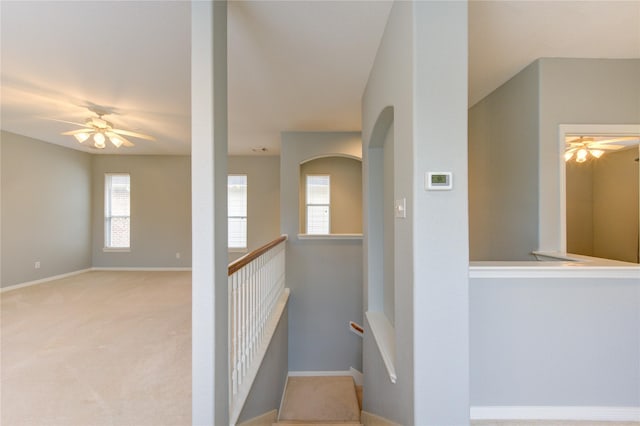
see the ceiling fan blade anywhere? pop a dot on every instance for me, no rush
(133, 134)
(630, 139)
(75, 132)
(579, 140)
(64, 121)
(574, 149)
(606, 147)
(125, 142)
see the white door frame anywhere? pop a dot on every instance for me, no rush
(584, 130)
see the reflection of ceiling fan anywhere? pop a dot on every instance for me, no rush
(585, 147)
(101, 130)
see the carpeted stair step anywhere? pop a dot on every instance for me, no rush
(315, 424)
(328, 400)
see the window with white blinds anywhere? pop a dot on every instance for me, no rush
(117, 211)
(237, 211)
(318, 204)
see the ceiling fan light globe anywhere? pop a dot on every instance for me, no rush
(581, 155)
(98, 138)
(568, 156)
(597, 153)
(116, 141)
(81, 137)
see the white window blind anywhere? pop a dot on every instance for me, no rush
(318, 197)
(237, 211)
(117, 211)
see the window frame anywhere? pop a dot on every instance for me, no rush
(238, 249)
(307, 204)
(108, 216)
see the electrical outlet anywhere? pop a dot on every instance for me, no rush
(178, 255)
(37, 265)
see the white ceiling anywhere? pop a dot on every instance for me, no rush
(297, 65)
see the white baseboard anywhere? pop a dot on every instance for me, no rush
(620, 414)
(43, 280)
(140, 269)
(357, 376)
(81, 271)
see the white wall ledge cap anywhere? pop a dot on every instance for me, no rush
(385, 337)
(535, 269)
(329, 236)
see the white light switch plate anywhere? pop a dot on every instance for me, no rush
(401, 208)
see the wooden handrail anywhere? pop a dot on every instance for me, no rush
(247, 258)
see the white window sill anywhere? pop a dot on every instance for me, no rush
(385, 337)
(238, 250)
(116, 249)
(329, 236)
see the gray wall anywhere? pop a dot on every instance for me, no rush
(555, 342)
(325, 276)
(579, 191)
(514, 167)
(263, 198)
(440, 228)
(578, 91)
(46, 204)
(602, 206)
(346, 192)
(389, 85)
(267, 389)
(503, 170)
(160, 210)
(421, 71)
(615, 209)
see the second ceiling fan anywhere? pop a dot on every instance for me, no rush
(584, 147)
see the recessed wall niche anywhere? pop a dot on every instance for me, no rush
(331, 191)
(381, 220)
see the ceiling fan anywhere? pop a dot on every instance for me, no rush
(585, 147)
(101, 130)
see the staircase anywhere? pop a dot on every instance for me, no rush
(325, 400)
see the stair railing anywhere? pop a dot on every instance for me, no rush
(257, 296)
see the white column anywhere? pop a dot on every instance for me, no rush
(208, 171)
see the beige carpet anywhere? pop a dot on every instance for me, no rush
(100, 348)
(320, 399)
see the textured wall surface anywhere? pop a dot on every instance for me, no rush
(46, 204)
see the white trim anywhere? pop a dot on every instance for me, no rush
(341, 155)
(270, 329)
(284, 390)
(141, 269)
(620, 414)
(237, 249)
(82, 271)
(43, 280)
(587, 130)
(550, 270)
(329, 236)
(358, 377)
(322, 373)
(116, 249)
(385, 338)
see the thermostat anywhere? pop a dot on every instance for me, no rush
(438, 181)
